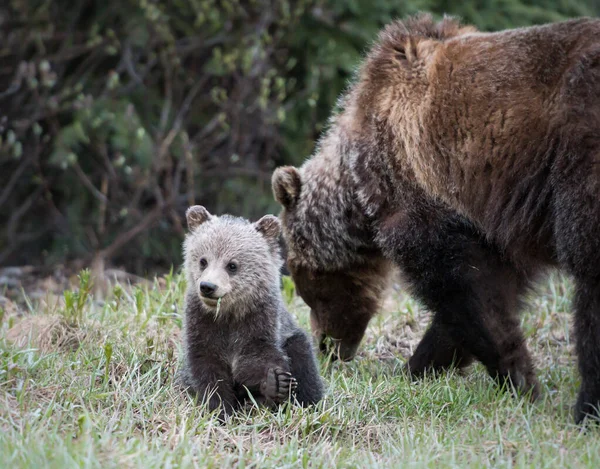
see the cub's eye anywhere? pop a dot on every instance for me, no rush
(203, 263)
(232, 267)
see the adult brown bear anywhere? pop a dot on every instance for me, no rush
(472, 161)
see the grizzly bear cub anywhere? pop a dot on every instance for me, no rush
(238, 336)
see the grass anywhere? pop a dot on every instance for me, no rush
(90, 383)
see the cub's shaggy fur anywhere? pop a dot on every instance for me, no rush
(472, 161)
(238, 336)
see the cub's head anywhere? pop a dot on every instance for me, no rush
(231, 263)
(335, 271)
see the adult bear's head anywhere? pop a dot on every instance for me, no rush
(331, 257)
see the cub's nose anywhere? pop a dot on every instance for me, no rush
(207, 288)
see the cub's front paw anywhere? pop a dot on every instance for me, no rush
(279, 385)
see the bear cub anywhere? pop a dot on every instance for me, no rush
(238, 337)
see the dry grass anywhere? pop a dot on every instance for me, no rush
(95, 388)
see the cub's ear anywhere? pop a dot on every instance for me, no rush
(286, 185)
(268, 226)
(196, 215)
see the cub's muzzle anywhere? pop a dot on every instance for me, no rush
(208, 289)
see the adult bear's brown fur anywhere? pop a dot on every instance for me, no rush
(471, 160)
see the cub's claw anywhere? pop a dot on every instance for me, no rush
(280, 385)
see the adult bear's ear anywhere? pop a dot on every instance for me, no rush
(286, 185)
(196, 215)
(269, 226)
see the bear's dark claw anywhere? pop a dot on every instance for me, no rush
(280, 385)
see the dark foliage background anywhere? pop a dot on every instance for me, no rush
(117, 115)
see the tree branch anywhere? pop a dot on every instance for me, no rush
(87, 183)
(126, 237)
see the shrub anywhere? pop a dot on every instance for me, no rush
(117, 115)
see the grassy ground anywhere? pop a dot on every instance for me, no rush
(89, 383)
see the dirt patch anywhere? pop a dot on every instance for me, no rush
(8, 308)
(47, 333)
(43, 287)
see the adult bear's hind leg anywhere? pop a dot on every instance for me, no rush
(578, 245)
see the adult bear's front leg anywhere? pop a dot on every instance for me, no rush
(472, 291)
(437, 351)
